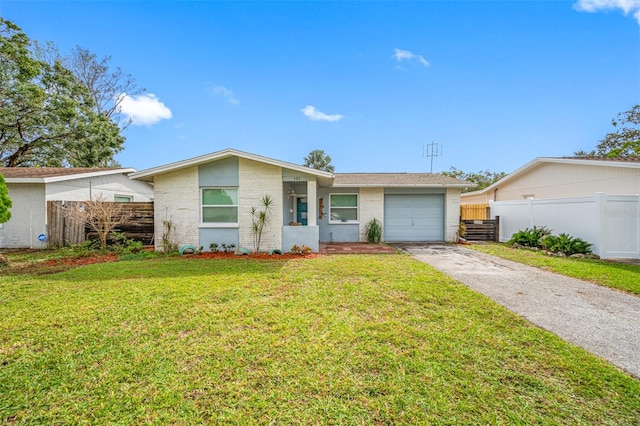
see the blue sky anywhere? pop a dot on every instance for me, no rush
(495, 83)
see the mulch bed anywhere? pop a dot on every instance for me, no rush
(80, 261)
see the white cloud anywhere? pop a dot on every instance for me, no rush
(226, 93)
(627, 6)
(402, 55)
(313, 114)
(143, 109)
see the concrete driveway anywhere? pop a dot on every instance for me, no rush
(605, 322)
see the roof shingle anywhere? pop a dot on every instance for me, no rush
(396, 179)
(47, 172)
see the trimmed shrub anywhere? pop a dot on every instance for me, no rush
(530, 237)
(565, 244)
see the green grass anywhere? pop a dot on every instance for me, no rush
(621, 276)
(359, 339)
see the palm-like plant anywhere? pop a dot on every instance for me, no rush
(317, 159)
(259, 219)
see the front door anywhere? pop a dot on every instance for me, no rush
(301, 211)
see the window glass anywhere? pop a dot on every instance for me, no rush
(122, 199)
(344, 200)
(343, 208)
(219, 197)
(344, 215)
(220, 214)
(219, 205)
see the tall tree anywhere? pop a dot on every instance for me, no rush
(624, 141)
(318, 160)
(5, 201)
(47, 117)
(482, 179)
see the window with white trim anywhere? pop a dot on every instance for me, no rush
(219, 205)
(122, 198)
(343, 208)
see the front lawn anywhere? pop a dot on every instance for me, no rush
(358, 339)
(621, 276)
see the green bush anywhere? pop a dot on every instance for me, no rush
(373, 231)
(84, 249)
(565, 244)
(530, 237)
(120, 244)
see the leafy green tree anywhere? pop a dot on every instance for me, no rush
(482, 179)
(48, 117)
(5, 201)
(624, 141)
(317, 159)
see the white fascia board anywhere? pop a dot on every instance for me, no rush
(88, 175)
(24, 180)
(196, 161)
(587, 162)
(126, 171)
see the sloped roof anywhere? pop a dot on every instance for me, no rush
(398, 179)
(629, 162)
(148, 174)
(629, 159)
(54, 174)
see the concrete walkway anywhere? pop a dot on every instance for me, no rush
(603, 321)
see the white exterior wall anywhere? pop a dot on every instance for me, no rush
(106, 186)
(481, 198)
(28, 217)
(451, 213)
(371, 206)
(257, 180)
(555, 180)
(177, 199)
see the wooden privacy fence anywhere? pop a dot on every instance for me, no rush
(474, 211)
(482, 230)
(64, 228)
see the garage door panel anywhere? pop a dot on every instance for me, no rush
(414, 218)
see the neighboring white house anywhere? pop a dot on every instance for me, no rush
(595, 199)
(208, 199)
(545, 178)
(31, 188)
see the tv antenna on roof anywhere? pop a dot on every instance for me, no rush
(433, 149)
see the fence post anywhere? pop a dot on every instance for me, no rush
(600, 199)
(496, 232)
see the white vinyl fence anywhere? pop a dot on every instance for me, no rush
(611, 223)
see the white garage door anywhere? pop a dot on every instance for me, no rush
(414, 217)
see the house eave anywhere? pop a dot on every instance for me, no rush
(542, 160)
(24, 180)
(63, 178)
(148, 174)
